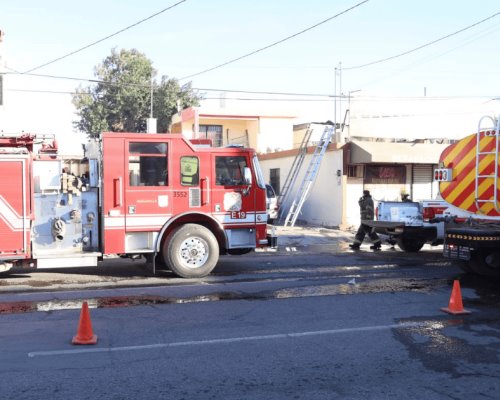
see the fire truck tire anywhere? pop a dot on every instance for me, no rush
(191, 251)
(409, 245)
(485, 263)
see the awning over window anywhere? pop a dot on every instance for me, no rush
(362, 152)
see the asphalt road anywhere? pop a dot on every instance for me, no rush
(312, 321)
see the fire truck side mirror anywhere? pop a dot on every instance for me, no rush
(247, 176)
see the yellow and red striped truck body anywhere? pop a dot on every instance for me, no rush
(469, 179)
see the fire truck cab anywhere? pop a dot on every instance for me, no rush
(151, 195)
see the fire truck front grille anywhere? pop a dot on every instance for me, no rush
(194, 197)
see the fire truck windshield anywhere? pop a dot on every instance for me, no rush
(229, 170)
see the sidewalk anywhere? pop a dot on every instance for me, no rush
(309, 235)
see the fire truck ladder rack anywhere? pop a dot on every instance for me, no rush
(284, 197)
(310, 176)
(493, 132)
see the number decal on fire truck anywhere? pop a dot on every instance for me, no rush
(238, 214)
(180, 194)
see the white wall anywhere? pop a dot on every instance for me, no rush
(324, 205)
(354, 190)
(44, 110)
(418, 118)
(275, 134)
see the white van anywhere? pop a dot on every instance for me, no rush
(272, 206)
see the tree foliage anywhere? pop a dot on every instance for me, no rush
(120, 101)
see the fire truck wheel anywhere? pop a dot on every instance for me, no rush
(408, 245)
(191, 251)
(486, 263)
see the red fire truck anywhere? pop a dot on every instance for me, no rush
(152, 195)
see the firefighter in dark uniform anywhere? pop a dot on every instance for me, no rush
(367, 210)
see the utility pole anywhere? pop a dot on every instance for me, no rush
(339, 97)
(349, 95)
(338, 72)
(151, 122)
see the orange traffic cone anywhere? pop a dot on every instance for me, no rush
(84, 334)
(455, 306)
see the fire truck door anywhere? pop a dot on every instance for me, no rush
(14, 206)
(148, 205)
(193, 184)
(234, 206)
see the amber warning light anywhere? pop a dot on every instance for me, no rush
(443, 175)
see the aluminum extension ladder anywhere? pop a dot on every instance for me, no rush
(493, 131)
(310, 176)
(284, 196)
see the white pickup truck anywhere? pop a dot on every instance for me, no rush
(411, 224)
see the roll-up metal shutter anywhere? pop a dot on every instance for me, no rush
(422, 182)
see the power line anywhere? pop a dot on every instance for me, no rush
(105, 38)
(325, 95)
(275, 43)
(257, 92)
(424, 45)
(40, 91)
(267, 99)
(424, 60)
(148, 86)
(326, 98)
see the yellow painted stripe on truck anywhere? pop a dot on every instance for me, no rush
(461, 157)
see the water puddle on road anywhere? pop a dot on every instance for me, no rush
(350, 287)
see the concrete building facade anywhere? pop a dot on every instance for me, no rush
(389, 147)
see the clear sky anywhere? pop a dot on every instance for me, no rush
(199, 34)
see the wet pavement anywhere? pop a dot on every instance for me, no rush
(311, 320)
(310, 261)
(124, 272)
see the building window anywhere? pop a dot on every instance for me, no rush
(212, 132)
(355, 171)
(274, 179)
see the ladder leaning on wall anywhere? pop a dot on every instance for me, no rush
(286, 190)
(310, 176)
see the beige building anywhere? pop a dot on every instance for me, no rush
(265, 133)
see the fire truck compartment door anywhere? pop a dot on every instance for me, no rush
(14, 203)
(148, 203)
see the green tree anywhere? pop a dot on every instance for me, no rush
(120, 101)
